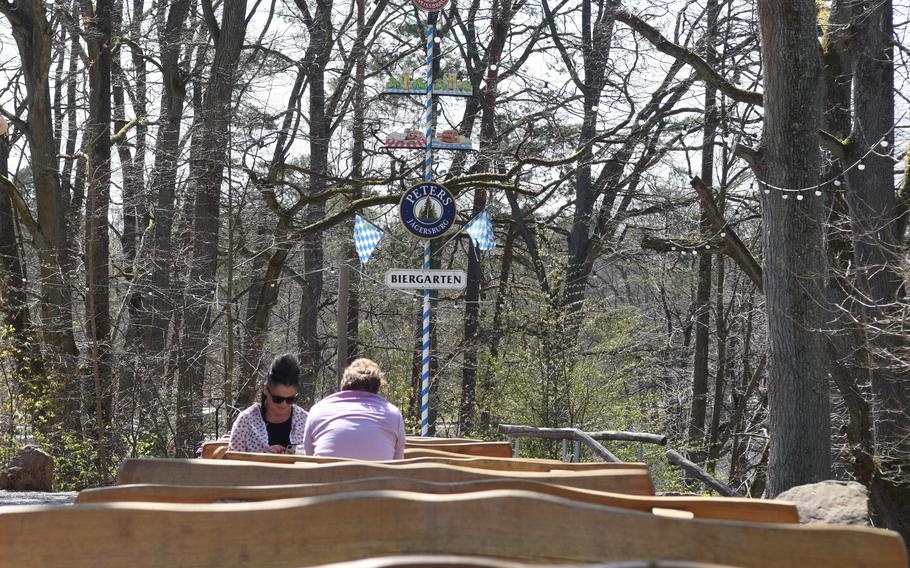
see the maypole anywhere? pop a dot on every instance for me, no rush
(427, 177)
(428, 209)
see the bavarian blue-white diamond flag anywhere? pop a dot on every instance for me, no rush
(480, 230)
(366, 238)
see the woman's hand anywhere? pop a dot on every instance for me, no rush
(277, 449)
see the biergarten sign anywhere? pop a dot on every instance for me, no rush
(406, 279)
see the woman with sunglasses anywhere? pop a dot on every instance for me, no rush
(356, 422)
(275, 424)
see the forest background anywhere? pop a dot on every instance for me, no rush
(700, 210)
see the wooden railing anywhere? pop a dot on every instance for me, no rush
(589, 439)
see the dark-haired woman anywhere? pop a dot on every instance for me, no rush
(275, 424)
(356, 422)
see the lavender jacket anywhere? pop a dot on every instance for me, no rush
(355, 424)
(250, 435)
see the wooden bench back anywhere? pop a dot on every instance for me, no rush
(633, 481)
(214, 450)
(441, 441)
(451, 561)
(753, 510)
(486, 449)
(500, 464)
(516, 525)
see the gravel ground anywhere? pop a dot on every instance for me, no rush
(36, 498)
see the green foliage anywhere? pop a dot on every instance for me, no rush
(75, 460)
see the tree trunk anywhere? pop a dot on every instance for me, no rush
(97, 247)
(792, 244)
(703, 291)
(206, 173)
(877, 256)
(14, 310)
(358, 137)
(315, 60)
(34, 38)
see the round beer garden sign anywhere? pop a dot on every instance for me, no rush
(430, 5)
(427, 210)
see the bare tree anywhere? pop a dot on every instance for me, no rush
(210, 143)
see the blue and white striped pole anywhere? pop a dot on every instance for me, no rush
(427, 176)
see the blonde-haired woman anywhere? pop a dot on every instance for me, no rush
(356, 422)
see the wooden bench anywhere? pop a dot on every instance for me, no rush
(214, 450)
(456, 446)
(451, 561)
(633, 480)
(501, 464)
(752, 510)
(426, 440)
(515, 525)
(485, 449)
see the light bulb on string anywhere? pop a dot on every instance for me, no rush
(594, 108)
(837, 183)
(493, 67)
(799, 196)
(767, 192)
(818, 193)
(861, 166)
(884, 144)
(723, 235)
(436, 39)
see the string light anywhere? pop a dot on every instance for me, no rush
(858, 165)
(493, 67)
(594, 108)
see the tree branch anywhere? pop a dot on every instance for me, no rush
(208, 13)
(121, 134)
(737, 249)
(25, 214)
(663, 244)
(707, 73)
(833, 144)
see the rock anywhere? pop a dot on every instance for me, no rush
(31, 470)
(836, 502)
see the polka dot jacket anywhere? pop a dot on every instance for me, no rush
(249, 433)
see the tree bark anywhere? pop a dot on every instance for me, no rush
(315, 59)
(34, 37)
(502, 16)
(874, 211)
(97, 246)
(703, 291)
(792, 243)
(206, 172)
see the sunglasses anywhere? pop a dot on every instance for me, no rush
(279, 399)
